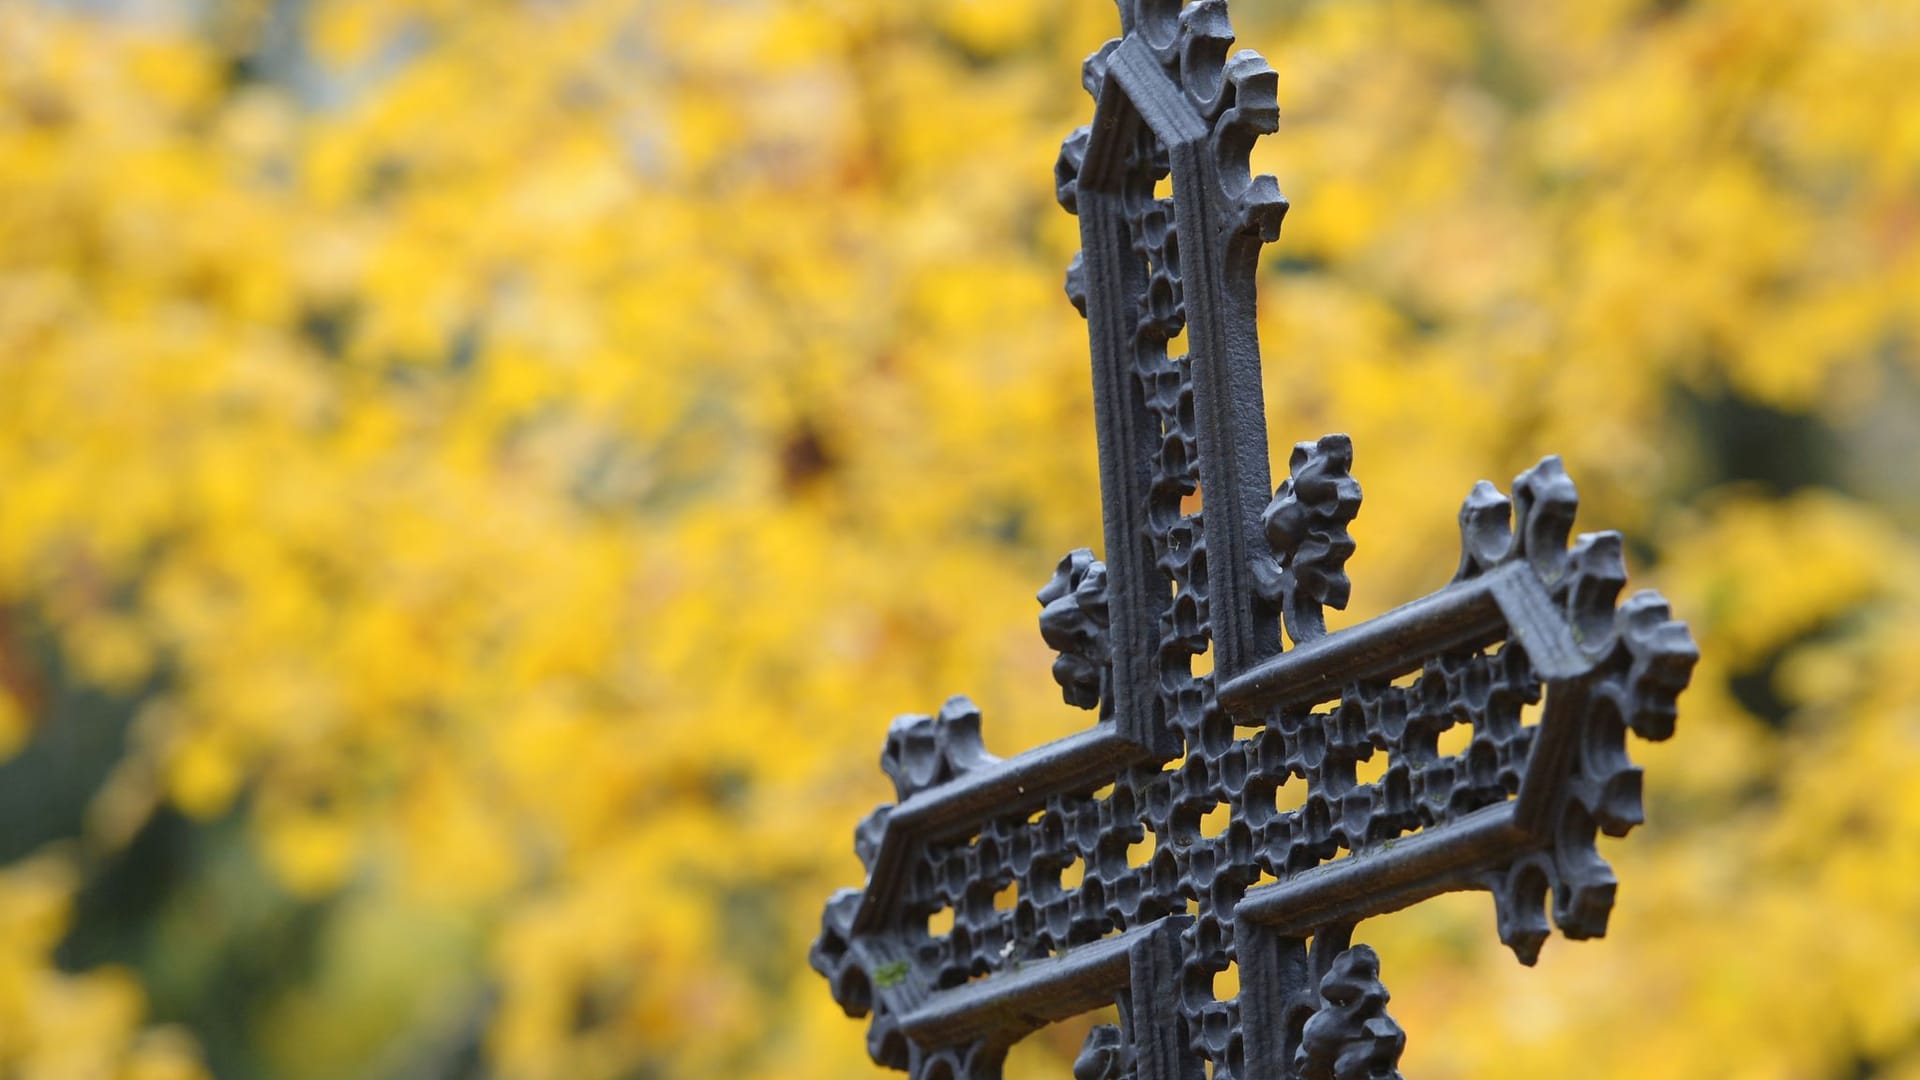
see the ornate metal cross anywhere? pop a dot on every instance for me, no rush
(1059, 904)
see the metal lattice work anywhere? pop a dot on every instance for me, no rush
(1252, 815)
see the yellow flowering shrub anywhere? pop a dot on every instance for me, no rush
(476, 479)
(59, 1026)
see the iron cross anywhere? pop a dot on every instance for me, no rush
(1088, 872)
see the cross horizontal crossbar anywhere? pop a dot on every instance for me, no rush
(1468, 614)
(1006, 1005)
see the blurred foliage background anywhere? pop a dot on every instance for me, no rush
(476, 479)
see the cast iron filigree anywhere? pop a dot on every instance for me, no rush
(1252, 815)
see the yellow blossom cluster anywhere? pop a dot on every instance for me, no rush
(58, 1026)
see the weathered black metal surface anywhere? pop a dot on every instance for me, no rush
(1083, 873)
